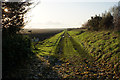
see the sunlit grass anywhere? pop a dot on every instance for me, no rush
(82, 54)
(102, 42)
(48, 46)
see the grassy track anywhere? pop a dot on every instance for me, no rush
(48, 46)
(77, 54)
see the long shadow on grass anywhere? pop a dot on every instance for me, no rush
(41, 70)
(54, 60)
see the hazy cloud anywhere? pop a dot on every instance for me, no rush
(53, 23)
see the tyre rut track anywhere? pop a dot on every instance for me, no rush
(94, 69)
(40, 67)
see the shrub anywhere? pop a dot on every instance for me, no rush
(16, 49)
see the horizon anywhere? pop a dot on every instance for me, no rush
(49, 15)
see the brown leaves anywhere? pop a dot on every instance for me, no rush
(83, 70)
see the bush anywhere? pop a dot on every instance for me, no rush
(16, 49)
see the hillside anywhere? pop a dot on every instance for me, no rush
(103, 45)
(81, 54)
(73, 54)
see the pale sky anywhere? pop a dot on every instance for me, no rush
(66, 13)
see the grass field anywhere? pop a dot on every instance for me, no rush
(103, 45)
(82, 54)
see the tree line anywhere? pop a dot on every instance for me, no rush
(106, 21)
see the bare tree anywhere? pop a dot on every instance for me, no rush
(116, 16)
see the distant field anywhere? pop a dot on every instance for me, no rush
(41, 30)
(42, 34)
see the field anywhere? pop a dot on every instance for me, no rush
(78, 54)
(42, 34)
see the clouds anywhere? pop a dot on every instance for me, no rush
(57, 15)
(53, 23)
(47, 23)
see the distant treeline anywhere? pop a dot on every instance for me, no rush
(107, 21)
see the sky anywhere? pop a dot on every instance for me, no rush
(66, 13)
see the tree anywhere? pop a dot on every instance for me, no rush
(13, 15)
(93, 23)
(116, 16)
(16, 48)
(106, 22)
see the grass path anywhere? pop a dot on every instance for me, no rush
(63, 56)
(81, 65)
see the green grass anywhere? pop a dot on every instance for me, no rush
(48, 46)
(102, 45)
(83, 54)
(105, 43)
(68, 48)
